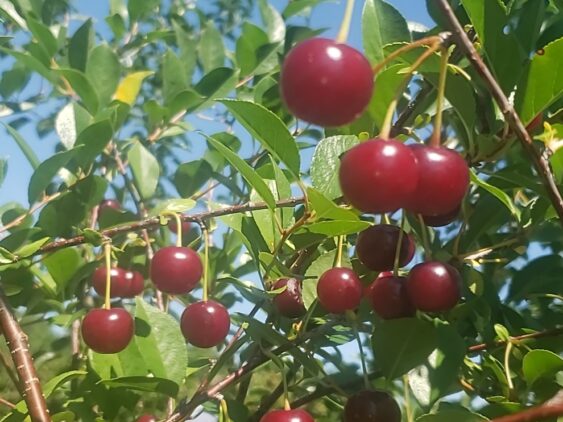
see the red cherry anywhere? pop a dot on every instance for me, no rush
(376, 247)
(136, 283)
(442, 219)
(205, 324)
(293, 415)
(389, 298)
(443, 178)
(107, 330)
(175, 269)
(186, 226)
(109, 203)
(434, 286)
(147, 418)
(339, 290)
(378, 176)
(372, 406)
(289, 302)
(119, 282)
(326, 83)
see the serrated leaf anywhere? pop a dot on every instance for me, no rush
(129, 87)
(145, 168)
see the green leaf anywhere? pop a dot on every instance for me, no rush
(103, 71)
(217, 83)
(30, 248)
(325, 208)
(534, 94)
(387, 83)
(275, 26)
(250, 48)
(539, 364)
(140, 8)
(129, 87)
(145, 384)
(32, 63)
(382, 24)
(397, 354)
(145, 168)
(556, 161)
(211, 50)
(82, 87)
(191, 176)
(80, 45)
(71, 120)
(246, 171)
(178, 205)
(497, 193)
(9, 9)
(43, 36)
(545, 271)
(3, 170)
(460, 415)
(173, 76)
(188, 49)
(268, 129)
(62, 265)
(297, 6)
(161, 343)
(326, 163)
(338, 227)
(24, 147)
(94, 138)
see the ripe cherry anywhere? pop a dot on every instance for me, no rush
(293, 415)
(175, 269)
(443, 178)
(372, 406)
(339, 290)
(378, 176)
(186, 226)
(109, 203)
(147, 418)
(119, 282)
(325, 82)
(289, 302)
(107, 330)
(136, 283)
(442, 219)
(376, 247)
(205, 324)
(434, 286)
(389, 298)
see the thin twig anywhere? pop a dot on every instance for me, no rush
(17, 221)
(550, 409)
(7, 403)
(554, 332)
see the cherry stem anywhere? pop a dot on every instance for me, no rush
(424, 233)
(224, 411)
(406, 389)
(178, 219)
(352, 317)
(435, 139)
(346, 21)
(339, 248)
(431, 41)
(206, 240)
(399, 247)
(507, 353)
(385, 219)
(107, 255)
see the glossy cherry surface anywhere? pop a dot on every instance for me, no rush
(119, 282)
(389, 298)
(186, 226)
(325, 82)
(443, 178)
(110, 203)
(339, 290)
(293, 415)
(434, 286)
(377, 245)
(176, 270)
(136, 283)
(147, 418)
(442, 219)
(205, 324)
(107, 330)
(289, 303)
(372, 406)
(378, 176)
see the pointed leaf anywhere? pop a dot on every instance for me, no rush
(145, 168)
(130, 86)
(103, 70)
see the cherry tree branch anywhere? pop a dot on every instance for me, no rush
(540, 163)
(550, 409)
(29, 384)
(554, 332)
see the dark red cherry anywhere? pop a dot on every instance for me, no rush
(434, 286)
(147, 418)
(389, 298)
(339, 290)
(372, 406)
(325, 82)
(109, 203)
(176, 270)
(378, 176)
(442, 219)
(443, 178)
(186, 226)
(289, 303)
(205, 324)
(136, 283)
(376, 247)
(107, 330)
(293, 415)
(119, 282)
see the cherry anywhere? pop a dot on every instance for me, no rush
(109, 203)
(378, 176)
(119, 282)
(107, 330)
(175, 269)
(325, 82)
(442, 219)
(289, 302)
(389, 298)
(136, 283)
(339, 290)
(205, 324)
(443, 178)
(147, 418)
(186, 226)
(372, 406)
(377, 245)
(293, 415)
(434, 286)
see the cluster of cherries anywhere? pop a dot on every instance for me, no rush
(174, 270)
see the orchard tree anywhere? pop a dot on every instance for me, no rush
(245, 217)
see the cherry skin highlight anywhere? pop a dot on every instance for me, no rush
(442, 219)
(443, 179)
(110, 203)
(326, 83)
(389, 298)
(119, 282)
(176, 270)
(293, 415)
(136, 283)
(147, 418)
(107, 330)
(205, 324)
(377, 245)
(289, 303)
(371, 406)
(378, 176)
(339, 290)
(434, 286)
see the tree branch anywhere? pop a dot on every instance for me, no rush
(554, 332)
(29, 384)
(549, 409)
(540, 163)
